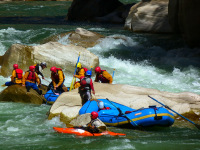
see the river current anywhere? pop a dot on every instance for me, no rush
(159, 61)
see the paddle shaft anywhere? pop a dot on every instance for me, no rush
(122, 112)
(173, 111)
(113, 73)
(74, 72)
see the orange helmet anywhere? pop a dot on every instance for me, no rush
(53, 69)
(15, 66)
(94, 115)
(98, 69)
(31, 68)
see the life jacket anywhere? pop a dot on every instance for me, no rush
(85, 83)
(19, 73)
(36, 68)
(31, 76)
(102, 78)
(56, 76)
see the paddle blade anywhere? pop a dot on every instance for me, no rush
(3, 85)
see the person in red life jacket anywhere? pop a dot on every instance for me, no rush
(102, 107)
(86, 87)
(102, 76)
(39, 68)
(58, 79)
(17, 75)
(30, 78)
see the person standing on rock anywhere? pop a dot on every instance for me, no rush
(30, 78)
(17, 75)
(102, 76)
(86, 87)
(58, 79)
(39, 68)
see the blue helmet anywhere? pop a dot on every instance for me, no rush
(88, 73)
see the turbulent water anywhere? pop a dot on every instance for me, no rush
(160, 62)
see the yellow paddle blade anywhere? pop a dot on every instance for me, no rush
(3, 85)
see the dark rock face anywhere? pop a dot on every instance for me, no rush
(184, 18)
(18, 93)
(88, 10)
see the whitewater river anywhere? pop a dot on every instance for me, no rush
(161, 62)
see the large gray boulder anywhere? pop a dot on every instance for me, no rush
(53, 53)
(68, 104)
(149, 16)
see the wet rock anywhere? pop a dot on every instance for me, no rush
(18, 93)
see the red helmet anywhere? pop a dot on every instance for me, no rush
(94, 115)
(31, 68)
(53, 69)
(97, 69)
(15, 66)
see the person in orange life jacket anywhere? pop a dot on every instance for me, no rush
(78, 83)
(30, 78)
(58, 79)
(102, 76)
(86, 87)
(102, 107)
(80, 71)
(39, 68)
(17, 75)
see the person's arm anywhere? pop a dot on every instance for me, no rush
(53, 80)
(39, 72)
(24, 78)
(61, 79)
(92, 87)
(108, 76)
(37, 79)
(13, 76)
(80, 73)
(97, 78)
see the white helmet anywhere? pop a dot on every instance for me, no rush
(101, 105)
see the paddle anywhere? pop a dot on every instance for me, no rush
(72, 84)
(198, 126)
(113, 73)
(3, 85)
(122, 113)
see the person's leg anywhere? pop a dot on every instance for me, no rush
(9, 83)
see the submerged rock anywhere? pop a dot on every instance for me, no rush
(68, 104)
(18, 93)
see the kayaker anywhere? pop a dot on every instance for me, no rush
(17, 75)
(30, 78)
(80, 71)
(94, 125)
(102, 76)
(58, 79)
(39, 68)
(86, 87)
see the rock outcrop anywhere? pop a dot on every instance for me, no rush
(53, 53)
(18, 93)
(149, 16)
(184, 18)
(68, 104)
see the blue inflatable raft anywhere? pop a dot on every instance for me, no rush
(146, 117)
(51, 97)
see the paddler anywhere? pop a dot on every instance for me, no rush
(30, 78)
(102, 76)
(58, 79)
(17, 75)
(86, 87)
(39, 68)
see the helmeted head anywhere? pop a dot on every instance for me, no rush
(98, 69)
(94, 115)
(79, 65)
(101, 105)
(15, 66)
(88, 73)
(53, 69)
(32, 68)
(43, 64)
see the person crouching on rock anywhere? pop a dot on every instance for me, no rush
(86, 87)
(39, 68)
(17, 75)
(102, 76)
(30, 78)
(58, 79)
